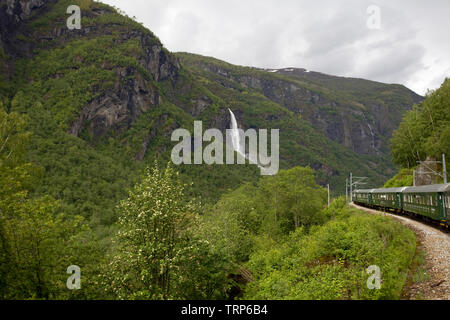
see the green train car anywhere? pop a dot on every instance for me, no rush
(428, 201)
(432, 201)
(363, 196)
(389, 199)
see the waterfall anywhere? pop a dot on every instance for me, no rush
(238, 144)
(373, 136)
(235, 136)
(371, 133)
(253, 156)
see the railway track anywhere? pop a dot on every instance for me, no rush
(436, 245)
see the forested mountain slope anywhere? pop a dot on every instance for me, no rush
(101, 104)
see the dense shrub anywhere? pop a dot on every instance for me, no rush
(331, 261)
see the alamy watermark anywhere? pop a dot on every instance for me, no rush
(374, 280)
(374, 19)
(74, 281)
(74, 21)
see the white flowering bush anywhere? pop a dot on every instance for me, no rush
(157, 254)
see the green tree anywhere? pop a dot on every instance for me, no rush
(424, 131)
(157, 254)
(35, 239)
(293, 199)
(273, 208)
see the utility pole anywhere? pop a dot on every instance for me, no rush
(328, 196)
(444, 168)
(351, 186)
(358, 180)
(346, 190)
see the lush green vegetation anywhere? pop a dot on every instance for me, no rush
(330, 261)
(403, 179)
(38, 240)
(274, 207)
(276, 228)
(424, 133)
(425, 130)
(295, 249)
(140, 229)
(158, 254)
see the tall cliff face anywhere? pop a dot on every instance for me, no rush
(134, 85)
(13, 13)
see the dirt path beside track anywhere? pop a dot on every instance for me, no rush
(436, 245)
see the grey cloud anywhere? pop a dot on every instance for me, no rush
(323, 35)
(396, 63)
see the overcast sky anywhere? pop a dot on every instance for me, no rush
(411, 46)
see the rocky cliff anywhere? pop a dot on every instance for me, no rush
(357, 113)
(132, 94)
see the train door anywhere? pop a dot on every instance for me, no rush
(446, 205)
(399, 201)
(442, 206)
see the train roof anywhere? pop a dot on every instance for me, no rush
(420, 189)
(429, 188)
(364, 191)
(389, 190)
